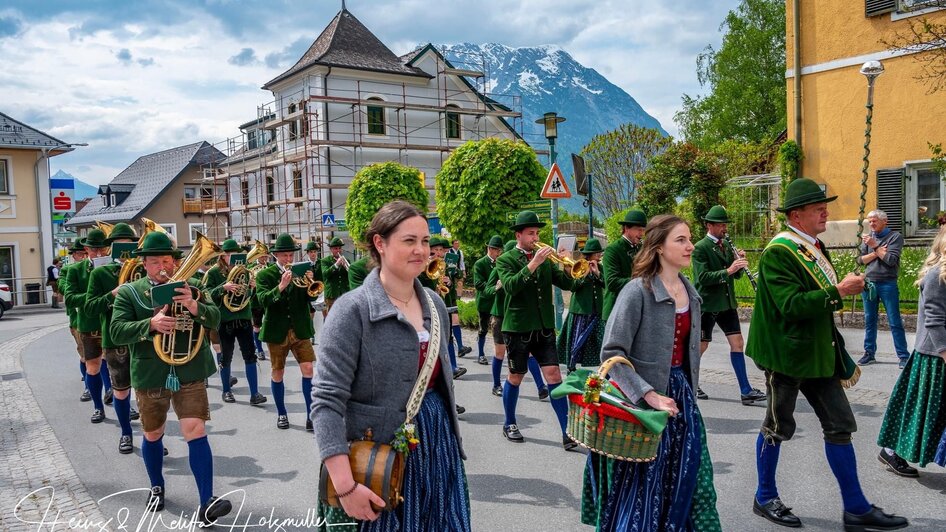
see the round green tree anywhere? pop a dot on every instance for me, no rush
(479, 183)
(377, 184)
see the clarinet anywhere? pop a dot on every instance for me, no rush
(745, 269)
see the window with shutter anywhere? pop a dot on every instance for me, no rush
(873, 8)
(890, 196)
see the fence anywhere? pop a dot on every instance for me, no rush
(27, 290)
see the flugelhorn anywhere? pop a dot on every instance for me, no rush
(131, 269)
(579, 267)
(181, 345)
(241, 275)
(312, 287)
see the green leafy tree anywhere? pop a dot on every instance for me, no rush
(745, 78)
(925, 40)
(377, 184)
(479, 183)
(612, 226)
(615, 159)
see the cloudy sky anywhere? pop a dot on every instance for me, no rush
(134, 77)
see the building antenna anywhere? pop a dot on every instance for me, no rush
(343, 5)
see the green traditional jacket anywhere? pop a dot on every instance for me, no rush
(529, 294)
(499, 296)
(481, 271)
(76, 286)
(284, 310)
(617, 263)
(793, 328)
(710, 278)
(454, 274)
(213, 284)
(427, 282)
(63, 286)
(357, 273)
(334, 277)
(99, 299)
(587, 296)
(131, 326)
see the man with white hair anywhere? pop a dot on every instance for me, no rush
(880, 252)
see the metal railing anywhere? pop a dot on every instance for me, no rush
(28, 290)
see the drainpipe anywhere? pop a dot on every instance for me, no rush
(796, 65)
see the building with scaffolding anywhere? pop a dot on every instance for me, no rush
(348, 102)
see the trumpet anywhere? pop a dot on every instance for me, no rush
(579, 267)
(735, 252)
(241, 275)
(166, 346)
(131, 269)
(312, 287)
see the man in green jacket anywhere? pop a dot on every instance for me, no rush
(334, 272)
(529, 323)
(794, 340)
(235, 326)
(484, 302)
(158, 385)
(88, 325)
(715, 266)
(287, 326)
(618, 261)
(357, 273)
(99, 299)
(77, 254)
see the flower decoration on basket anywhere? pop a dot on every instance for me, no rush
(405, 439)
(593, 388)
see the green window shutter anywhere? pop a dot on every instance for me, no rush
(873, 8)
(890, 196)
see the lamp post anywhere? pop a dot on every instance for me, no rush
(551, 121)
(871, 70)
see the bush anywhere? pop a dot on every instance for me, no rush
(469, 317)
(377, 184)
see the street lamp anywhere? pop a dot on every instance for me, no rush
(871, 70)
(551, 121)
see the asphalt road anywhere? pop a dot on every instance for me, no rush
(533, 486)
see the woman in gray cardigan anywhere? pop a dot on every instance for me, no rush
(655, 324)
(914, 427)
(372, 344)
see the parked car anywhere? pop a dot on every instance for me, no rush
(6, 298)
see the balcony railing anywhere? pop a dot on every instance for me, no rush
(198, 206)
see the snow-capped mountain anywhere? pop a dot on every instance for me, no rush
(548, 79)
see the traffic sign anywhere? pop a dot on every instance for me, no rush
(555, 185)
(544, 216)
(328, 220)
(341, 225)
(537, 205)
(62, 191)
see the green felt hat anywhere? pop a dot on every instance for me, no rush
(311, 246)
(76, 246)
(592, 246)
(335, 243)
(156, 243)
(634, 218)
(95, 239)
(121, 231)
(285, 242)
(526, 219)
(178, 254)
(801, 192)
(231, 246)
(509, 246)
(717, 214)
(495, 241)
(436, 241)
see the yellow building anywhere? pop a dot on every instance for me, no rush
(833, 41)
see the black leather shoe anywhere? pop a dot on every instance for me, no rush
(308, 425)
(875, 519)
(133, 415)
(282, 422)
(460, 410)
(511, 432)
(260, 355)
(464, 351)
(233, 381)
(459, 373)
(498, 391)
(215, 509)
(543, 393)
(156, 499)
(124, 444)
(228, 397)
(98, 416)
(753, 396)
(569, 444)
(166, 451)
(85, 397)
(776, 512)
(700, 394)
(257, 399)
(897, 465)
(109, 397)
(482, 361)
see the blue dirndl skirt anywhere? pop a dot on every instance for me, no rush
(436, 495)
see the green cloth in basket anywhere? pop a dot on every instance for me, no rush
(653, 420)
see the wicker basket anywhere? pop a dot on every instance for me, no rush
(609, 436)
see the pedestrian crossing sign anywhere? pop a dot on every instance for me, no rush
(555, 185)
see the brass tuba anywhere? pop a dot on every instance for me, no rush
(131, 269)
(241, 275)
(107, 229)
(436, 268)
(579, 267)
(252, 258)
(181, 346)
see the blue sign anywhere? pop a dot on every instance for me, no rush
(328, 220)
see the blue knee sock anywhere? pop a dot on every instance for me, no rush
(106, 376)
(123, 413)
(279, 397)
(84, 374)
(259, 345)
(481, 344)
(153, 454)
(536, 372)
(844, 466)
(510, 398)
(307, 395)
(497, 370)
(94, 382)
(202, 465)
(738, 360)
(251, 379)
(766, 461)
(453, 354)
(225, 378)
(560, 406)
(458, 335)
